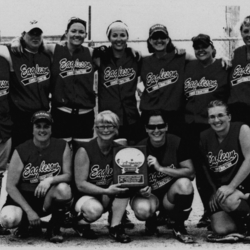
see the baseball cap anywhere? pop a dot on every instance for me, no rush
(202, 39)
(34, 24)
(158, 28)
(41, 115)
(246, 22)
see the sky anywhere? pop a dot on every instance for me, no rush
(183, 18)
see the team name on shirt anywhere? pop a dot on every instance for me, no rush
(118, 76)
(163, 79)
(101, 175)
(39, 173)
(34, 74)
(222, 161)
(76, 67)
(241, 74)
(159, 179)
(203, 86)
(4, 87)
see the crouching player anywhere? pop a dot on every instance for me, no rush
(170, 173)
(226, 150)
(93, 177)
(38, 182)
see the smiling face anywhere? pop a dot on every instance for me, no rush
(106, 130)
(33, 39)
(218, 119)
(76, 34)
(118, 38)
(203, 52)
(41, 131)
(156, 129)
(159, 41)
(245, 33)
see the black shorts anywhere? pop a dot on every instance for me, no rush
(35, 203)
(67, 125)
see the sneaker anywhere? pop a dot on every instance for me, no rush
(118, 233)
(126, 222)
(204, 221)
(4, 231)
(230, 238)
(22, 230)
(53, 232)
(181, 234)
(85, 231)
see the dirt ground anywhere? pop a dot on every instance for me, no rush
(139, 240)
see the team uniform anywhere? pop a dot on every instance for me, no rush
(170, 155)
(5, 119)
(29, 91)
(39, 164)
(201, 86)
(73, 96)
(117, 81)
(224, 159)
(239, 102)
(163, 81)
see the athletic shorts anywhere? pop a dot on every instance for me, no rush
(35, 203)
(70, 125)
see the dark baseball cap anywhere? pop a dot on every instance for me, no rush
(42, 115)
(202, 39)
(158, 28)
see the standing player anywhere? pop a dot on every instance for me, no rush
(226, 150)
(29, 81)
(170, 188)
(5, 124)
(205, 80)
(118, 71)
(239, 101)
(38, 182)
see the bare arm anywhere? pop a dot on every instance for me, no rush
(13, 177)
(186, 168)
(81, 176)
(66, 175)
(244, 170)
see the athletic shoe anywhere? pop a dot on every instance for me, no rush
(230, 238)
(53, 231)
(4, 231)
(204, 221)
(85, 231)
(118, 233)
(181, 234)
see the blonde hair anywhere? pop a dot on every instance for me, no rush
(108, 116)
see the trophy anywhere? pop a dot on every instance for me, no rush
(130, 166)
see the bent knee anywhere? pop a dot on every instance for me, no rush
(11, 216)
(143, 210)
(63, 191)
(184, 186)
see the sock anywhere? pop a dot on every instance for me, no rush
(183, 202)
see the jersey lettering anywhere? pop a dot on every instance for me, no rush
(4, 87)
(241, 74)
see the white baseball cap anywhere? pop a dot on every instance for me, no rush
(34, 24)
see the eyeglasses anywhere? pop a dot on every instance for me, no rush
(108, 127)
(154, 126)
(219, 116)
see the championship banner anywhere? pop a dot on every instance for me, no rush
(130, 166)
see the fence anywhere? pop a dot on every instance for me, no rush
(224, 46)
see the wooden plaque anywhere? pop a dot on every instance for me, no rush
(130, 166)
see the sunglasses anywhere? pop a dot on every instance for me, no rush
(154, 126)
(159, 36)
(201, 46)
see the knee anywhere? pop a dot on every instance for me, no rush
(63, 191)
(230, 203)
(142, 211)
(184, 186)
(10, 219)
(222, 229)
(93, 212)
